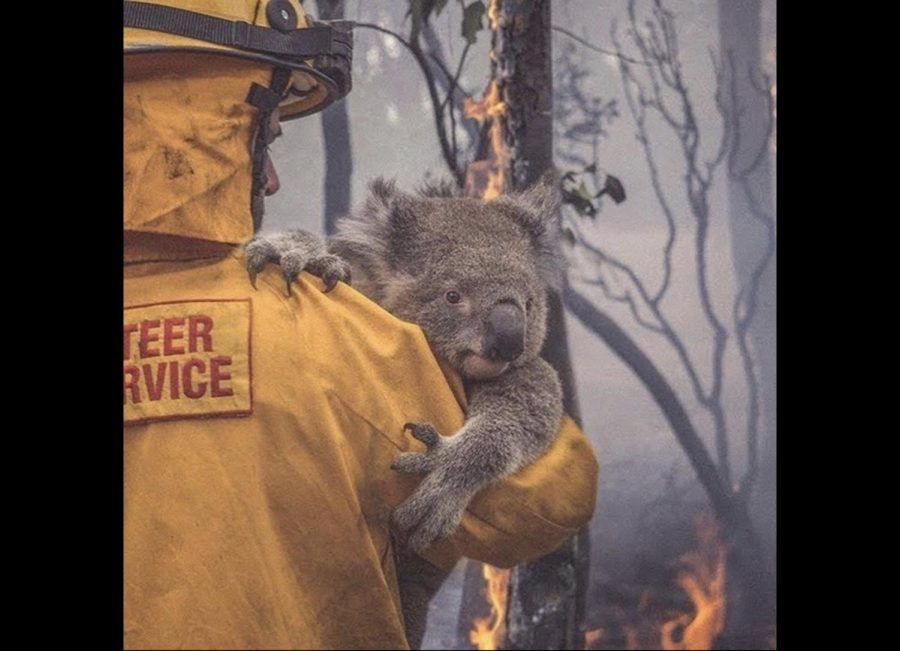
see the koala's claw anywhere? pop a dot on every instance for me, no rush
(330, 280)
(259, 253)
(331, 269)
(253, 270)
(425, 432)
(289, 278)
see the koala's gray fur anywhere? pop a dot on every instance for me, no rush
(415, 255)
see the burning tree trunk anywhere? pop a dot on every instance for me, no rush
(545, 599)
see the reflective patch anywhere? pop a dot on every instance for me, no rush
(187, 359)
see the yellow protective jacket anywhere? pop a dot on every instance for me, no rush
(260, 428)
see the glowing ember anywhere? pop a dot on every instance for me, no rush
(488, 632)
(592, 638)
(703, 579)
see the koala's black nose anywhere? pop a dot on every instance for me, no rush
(505, 337)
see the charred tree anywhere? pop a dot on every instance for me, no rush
(546, 597)
(336, 139)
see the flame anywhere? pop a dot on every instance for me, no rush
(488, 178)
(493, 14)
(703, 579)
(592, 638)
(488, 632)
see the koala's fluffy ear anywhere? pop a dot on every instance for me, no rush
(388, 204)
(370, 233)
(537, 209)
(542, 201)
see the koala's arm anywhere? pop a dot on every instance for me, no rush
(530, 513)
(511, 421)
(295, 251)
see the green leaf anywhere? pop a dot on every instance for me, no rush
(439, 6)
(471, 23)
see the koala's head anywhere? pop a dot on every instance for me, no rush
(473, 274)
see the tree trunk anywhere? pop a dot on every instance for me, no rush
(336, 138)
(546, 597)
(739, 33)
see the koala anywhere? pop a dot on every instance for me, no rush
(474, 276)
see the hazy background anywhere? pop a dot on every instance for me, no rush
(646, 482)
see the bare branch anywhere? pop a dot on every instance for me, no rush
(590, 46)
(664, 328)
(454, 81)
(618, 340)
(660, 47)
(604, 259)
(639, 116)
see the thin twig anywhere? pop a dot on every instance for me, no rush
(660, 46)
(454, 81)
(590, 46)
(655, 181)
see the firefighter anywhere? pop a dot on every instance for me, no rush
(260, 427)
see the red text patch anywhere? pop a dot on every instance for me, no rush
(187, 359)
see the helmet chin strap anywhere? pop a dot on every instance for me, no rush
(266, 100)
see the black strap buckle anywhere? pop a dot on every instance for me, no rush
(240, 34)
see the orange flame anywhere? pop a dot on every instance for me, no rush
(488, 178)
(493, 14)
(489, 632)
(703, 579)
(592, 638)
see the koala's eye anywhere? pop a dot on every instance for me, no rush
(528, 304)
(453, 297)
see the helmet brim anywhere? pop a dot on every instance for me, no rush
(310, 91)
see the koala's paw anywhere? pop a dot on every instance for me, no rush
(420, 462)
(331, 269)
(431, 513)
(295, 251)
